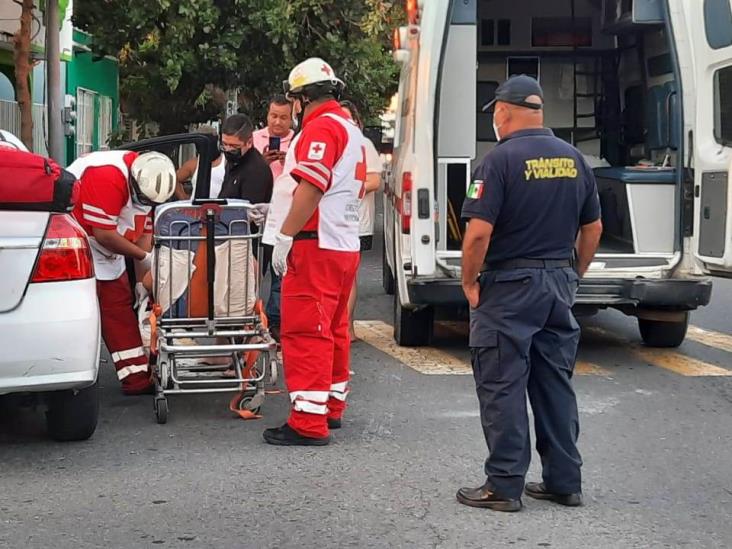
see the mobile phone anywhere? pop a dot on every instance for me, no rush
(274, 143)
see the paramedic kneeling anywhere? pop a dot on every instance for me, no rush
(529, 198)
(317, 249)
(118, 190)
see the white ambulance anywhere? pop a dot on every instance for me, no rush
(642, 87)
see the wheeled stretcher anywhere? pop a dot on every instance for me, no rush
(205, 289)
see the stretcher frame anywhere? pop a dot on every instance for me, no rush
(255, 363)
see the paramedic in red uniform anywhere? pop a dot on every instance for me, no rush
(317, 249)
(118, 190)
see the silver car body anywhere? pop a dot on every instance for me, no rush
(49, 331)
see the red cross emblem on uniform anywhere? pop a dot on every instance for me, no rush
(326, 69)
(316, 151)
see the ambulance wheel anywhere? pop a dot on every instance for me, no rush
(161, 410)
(387, 279)
(72, 415)
(412, 327)
(656, 333)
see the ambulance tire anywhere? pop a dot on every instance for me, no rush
(387, 278)
(656, 333)
(72, 415)
(412, 327)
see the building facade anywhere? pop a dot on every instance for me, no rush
(90, 84)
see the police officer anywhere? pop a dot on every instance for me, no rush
(529, 199)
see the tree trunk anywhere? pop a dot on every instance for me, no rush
(22, 57)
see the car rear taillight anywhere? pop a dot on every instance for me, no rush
(65, 252)
(406, 202)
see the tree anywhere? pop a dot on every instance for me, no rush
(177, 57)
(22, 61)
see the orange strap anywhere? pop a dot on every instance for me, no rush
(154, 314)
(198, 285)
(244, 414)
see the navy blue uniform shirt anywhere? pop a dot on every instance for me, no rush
(536, 190)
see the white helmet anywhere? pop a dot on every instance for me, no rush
(313, 78)
(153, 178)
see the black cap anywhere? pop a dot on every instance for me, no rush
(516, 90)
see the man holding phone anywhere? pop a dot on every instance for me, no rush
(274, 140)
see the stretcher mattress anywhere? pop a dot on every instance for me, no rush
(180, 266)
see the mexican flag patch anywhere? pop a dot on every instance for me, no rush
(475, 190)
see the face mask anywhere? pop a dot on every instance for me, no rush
(496, 128)
(233, 156)
(297, 118)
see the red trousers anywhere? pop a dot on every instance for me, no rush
(121, 333)
(316, 346)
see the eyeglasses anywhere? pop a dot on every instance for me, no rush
(223, 147)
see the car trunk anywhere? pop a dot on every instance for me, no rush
(21, 234)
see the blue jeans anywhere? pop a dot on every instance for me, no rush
(273, 303)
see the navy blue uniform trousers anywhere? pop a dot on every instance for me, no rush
(523, 338)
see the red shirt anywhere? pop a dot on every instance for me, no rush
(104, 193)
(318, 150)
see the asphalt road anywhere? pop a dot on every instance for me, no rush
(657, 446)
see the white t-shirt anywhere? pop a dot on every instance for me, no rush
(217, 178)
(282, 190)
(367, 207)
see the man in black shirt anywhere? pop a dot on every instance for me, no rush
(247, 173)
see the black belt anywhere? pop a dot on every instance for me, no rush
(306, 235)
(526, 264)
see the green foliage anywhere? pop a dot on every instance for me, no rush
(176, 56)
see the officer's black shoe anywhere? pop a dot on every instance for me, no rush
(537, 490)
(485, 498)
(287, 436)
(334, 423)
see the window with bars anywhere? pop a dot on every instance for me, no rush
(104, 121)
(85, 121)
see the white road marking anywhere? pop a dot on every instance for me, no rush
(431, 361)
(673, 361)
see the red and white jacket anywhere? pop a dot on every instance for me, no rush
(329, 154)
(105, 202)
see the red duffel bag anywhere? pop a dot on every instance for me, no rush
(33, 182)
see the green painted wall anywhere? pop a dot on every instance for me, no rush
(100, 76)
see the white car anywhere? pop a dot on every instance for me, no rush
(49, 317)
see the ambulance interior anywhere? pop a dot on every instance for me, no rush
(608, 77)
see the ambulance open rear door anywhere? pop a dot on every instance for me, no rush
(711, 42)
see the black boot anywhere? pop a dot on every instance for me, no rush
(334, 423)
(484, 497)
(287, 436)
(537, 490)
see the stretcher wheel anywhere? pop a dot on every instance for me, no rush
(163, 374)
(251, 404)
(161, 410)
(274, 372)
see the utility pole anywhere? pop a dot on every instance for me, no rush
(53, 83)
